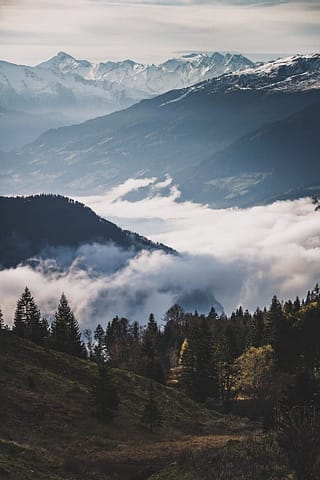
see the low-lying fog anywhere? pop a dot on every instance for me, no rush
(236, 256)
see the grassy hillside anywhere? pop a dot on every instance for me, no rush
(255, 458)
(47, 430)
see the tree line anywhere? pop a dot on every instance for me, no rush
(63, 334)
(207, 356)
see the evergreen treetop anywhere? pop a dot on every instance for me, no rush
(1, 320)
(65, 330)
(27, 319)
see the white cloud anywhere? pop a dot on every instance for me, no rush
(143, 283)
(265, 249)
(238, 256)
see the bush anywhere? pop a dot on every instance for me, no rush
(298, 435)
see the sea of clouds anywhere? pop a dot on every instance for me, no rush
(231, 256)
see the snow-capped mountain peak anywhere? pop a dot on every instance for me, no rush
(295, 73)
(65, 63)
(64, 56)
(296, 65)
(191, 68)
(298, 72)
(80, 89)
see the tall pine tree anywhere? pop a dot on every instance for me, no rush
(100, 349)
(151, 414)
(152, 367)
(65, 332)
(105, 395)
(256, 329)
(1, 320)
(27, 319)
(277, 333)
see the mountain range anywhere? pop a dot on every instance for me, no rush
(68, 90)
(235, 140)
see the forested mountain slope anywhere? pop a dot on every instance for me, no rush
(29, 224)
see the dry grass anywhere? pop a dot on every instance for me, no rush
(46, 423)
(255, 458)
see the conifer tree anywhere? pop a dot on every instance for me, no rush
(76, 345)
(174, 332)
(44, 330)
(89, 342)
(59, 337)
(212, 316)
(296, 305)
(22, 314)
(198, 372)
(152, 326)
(226, 352)
(109, 337)
(117, 341)
(27, 319)
(307, 342)
(1, 320)
(256, 329)
(65, 331)
(315, 294)
(136, 331)
(100, 346)
(277, 333)
(152, 367)
(206, 384)
(151, 414)
(105, 395)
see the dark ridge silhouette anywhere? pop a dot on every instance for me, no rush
(29, 224)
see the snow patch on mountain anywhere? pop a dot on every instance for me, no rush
(81, 89)
(293, 74)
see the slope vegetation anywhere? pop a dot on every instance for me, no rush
(29, 224)
(48, 432)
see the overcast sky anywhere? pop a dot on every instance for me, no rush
(153, 30)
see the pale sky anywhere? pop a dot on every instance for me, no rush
(153, 30)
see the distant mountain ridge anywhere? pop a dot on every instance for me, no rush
(180, 133)
(293, 74)
(80, 89)
(31, 224)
